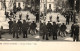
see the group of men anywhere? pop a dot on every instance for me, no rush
(17, 28)
(55, 29)
(52, 30)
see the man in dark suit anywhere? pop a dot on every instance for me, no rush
(15, 29)
(76, 32)
(72, 30)
(67, 19)
(37, 17)
(25, 27)
(45, 32)
(55, 29)
(20, 26)
(33, 27)
(63, 30)
(49, 27)
(20, 16)
(10, 26)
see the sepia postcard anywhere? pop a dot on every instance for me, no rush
(50, 25)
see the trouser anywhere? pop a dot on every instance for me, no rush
(54, 35)
(63, 33)
(20, 18)
(50, 20)
(15, 34)
(76, 37)
(19, 30)
(49, 32)
(58, 32)
(72, 34)
(32, 31)
(71, 19)
(37, 20)
(24, 34)
(10, 30)
(45, 36)
(67, 22)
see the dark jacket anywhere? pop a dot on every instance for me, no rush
(19, 23)
(15, 27)
(25, 26)
(55, 28)
(63, 27)
(33, 26)
(10, 24)
(41, 24)
(49, 26)
(44, 29)
(72, 28)
(76, 29)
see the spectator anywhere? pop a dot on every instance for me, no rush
(63, 30)
(41, 24)
(25, 27)
(45, 32)
(20, 26)
(27, 17)
(10, 26)
(67, 19)
(55, 29)
(51, 18)
(33, 28)
(49, 27)
(15, 29)
(58, 18)
(76, 32)
(20, 16)
(37, 17)
(72, 30)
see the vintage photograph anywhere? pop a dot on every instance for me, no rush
(59, 20)
(19, 20)
(40, 20)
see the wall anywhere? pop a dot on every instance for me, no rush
(42, 2)
(21, 4)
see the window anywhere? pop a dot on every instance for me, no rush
(49, 6)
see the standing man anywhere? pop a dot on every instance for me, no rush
(10, 26)
(15, 29)
(45, 32)
(72, 30)
(27, 17)
(63, 29)
(49, 27)
(25, 27)
(37, 17)
(33, 28)
(20, 16)
(58, 18)
(55, 29)
(76, 32)
(41, 24)
(20, 26)
(67, 19)
(50, 18)
(71, 16)
(7, 15)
